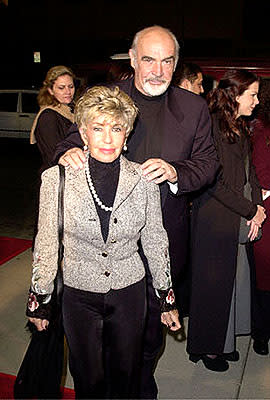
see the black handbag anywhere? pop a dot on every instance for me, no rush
(40, 373)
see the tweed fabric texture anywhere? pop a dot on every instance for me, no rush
(90, 263)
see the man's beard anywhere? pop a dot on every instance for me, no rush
(155, 90)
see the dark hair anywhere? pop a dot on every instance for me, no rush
(187, 71)
(222, 100)
(119, 70)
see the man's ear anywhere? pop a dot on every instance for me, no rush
(132, 57)
(185, 84)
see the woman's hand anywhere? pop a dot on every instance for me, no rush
(75, 158)
(41, 324)
(260, 216)
(253, 231)
(171, 320)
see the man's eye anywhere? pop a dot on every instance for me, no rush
(118, 129)
(146, 59)
(96, 129)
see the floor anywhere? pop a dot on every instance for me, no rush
(177, 377)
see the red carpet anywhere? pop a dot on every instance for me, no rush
(6, 388)
(11, 247)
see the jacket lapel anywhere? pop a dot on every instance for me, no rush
(128, 179)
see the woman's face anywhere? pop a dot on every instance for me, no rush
(248, 100)
(63, 89)
(105, 138)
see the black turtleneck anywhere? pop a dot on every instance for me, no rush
(105, 178)
(149, 129)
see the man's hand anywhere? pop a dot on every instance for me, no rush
(75, 158)
(171, 320)
(41, 324)
(158, 171)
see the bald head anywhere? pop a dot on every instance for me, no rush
(154, 56)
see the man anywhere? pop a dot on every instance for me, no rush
(189, 76)
(172, 140)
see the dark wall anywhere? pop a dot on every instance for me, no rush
(77, 32)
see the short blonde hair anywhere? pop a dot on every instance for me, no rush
(113, 103)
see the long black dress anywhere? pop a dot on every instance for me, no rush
(215, 249)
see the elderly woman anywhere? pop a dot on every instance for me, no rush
(109, 206)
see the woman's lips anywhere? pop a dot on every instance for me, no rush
(107, 151)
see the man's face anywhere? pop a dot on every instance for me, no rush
(196, 86)
(153, 62)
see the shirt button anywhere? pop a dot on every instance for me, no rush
(104, 254)
(113, 241)
(115, 220)
(107, 273)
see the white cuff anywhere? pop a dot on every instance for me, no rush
(173, 187)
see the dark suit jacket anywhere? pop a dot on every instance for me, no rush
(187, 145)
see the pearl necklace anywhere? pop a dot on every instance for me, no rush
(92, 187)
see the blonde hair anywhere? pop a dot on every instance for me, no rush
(113, 103)
(44, 97)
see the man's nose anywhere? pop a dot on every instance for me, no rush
(157, 69)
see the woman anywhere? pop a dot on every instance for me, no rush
(109, 206)
(55, 116)
(261, 160)
(220, 272)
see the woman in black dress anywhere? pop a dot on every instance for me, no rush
(220, 288)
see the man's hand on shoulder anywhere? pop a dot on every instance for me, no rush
(158, 171)
(75, 158)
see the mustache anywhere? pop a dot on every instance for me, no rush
(156, 79)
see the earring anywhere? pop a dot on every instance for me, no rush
(85, 148)
(125, 146)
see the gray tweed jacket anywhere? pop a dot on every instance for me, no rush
(89, 263)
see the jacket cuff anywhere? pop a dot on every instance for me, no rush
(39, 306)
(166, 299)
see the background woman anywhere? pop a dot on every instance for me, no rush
(220, 303)
(55, 116)
(261, 160)
(109, 206)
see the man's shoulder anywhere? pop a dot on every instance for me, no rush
(183, 95)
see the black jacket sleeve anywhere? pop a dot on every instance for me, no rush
(72, 140)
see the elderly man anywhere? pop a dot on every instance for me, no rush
(172, 140)
(189, 76)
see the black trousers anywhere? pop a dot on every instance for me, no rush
(261, 315)
(104, 334)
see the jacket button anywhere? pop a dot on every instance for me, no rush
(104, 254)
(107, 273)
(115, 220)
